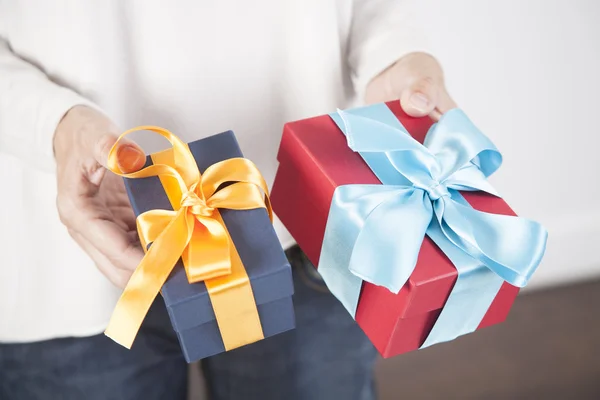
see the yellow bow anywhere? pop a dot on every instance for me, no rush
(194, 231)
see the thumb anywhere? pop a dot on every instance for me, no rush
(85, 136)
(129, 156)
(420, 98)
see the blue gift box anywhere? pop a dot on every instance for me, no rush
(252, 233)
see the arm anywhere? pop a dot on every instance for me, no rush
(31, 106)
(53, 128)
(389, 58)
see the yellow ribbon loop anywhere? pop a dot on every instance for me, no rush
(195, 232)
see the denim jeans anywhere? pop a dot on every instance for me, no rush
(326, 357)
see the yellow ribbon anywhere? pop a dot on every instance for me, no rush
(194, 231)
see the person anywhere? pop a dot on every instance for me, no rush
(73, 75)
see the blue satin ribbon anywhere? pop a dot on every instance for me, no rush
(374, 232)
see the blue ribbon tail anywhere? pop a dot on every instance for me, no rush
(475, 289)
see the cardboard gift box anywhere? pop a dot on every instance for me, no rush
(314, 160)
(189, 305)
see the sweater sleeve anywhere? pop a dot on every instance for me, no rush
(31, 106)
(382, 31)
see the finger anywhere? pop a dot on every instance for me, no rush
(418, 80)
(421, 97)
(116, 276)
(90, 217)
(130, 156)
(435, 115)
(444, 104)
(91, 134)
(124, 217)
(114, 242)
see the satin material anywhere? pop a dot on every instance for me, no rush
(195, 232)
(374, 232)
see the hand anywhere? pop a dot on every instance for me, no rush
(92, 203)
(418, 81)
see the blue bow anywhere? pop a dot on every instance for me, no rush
(374, 232)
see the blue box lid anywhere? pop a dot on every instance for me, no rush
(251, 231)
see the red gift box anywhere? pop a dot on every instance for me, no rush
(315, 159)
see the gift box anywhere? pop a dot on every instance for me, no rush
(191, 306)
(315, 159)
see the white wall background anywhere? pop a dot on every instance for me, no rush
(528, 74)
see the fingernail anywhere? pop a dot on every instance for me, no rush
(419, 101)
(130, 158)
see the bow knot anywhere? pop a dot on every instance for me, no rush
(437, 190)
(197, 205)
